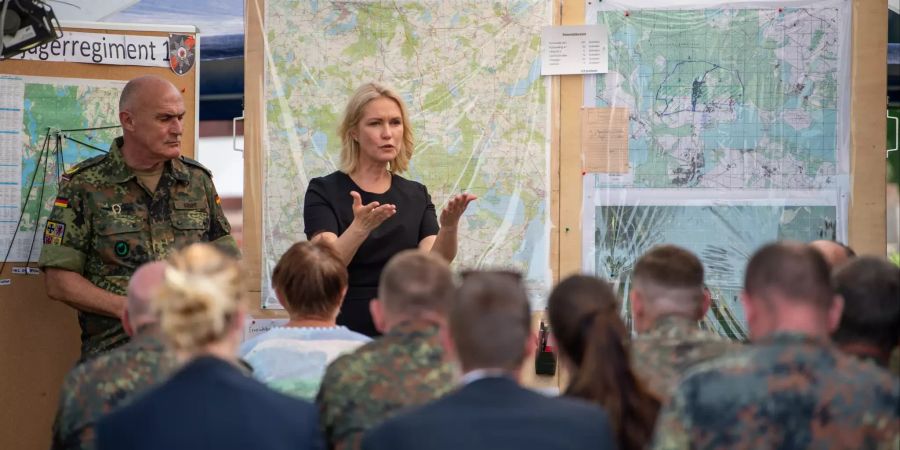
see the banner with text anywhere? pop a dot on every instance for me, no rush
(100, 48)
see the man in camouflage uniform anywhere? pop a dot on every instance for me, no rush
(667, 302)
(131, 206)
(95, 388)
(870, 323)
(792, 388)
(406, 366)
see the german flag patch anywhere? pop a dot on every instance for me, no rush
(218, 200)
(54, 232)
(61, 202)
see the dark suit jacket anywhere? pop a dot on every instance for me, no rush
(495, 414)
(210, 404)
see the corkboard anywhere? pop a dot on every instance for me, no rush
(39, 338)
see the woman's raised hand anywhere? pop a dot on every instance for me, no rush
(455, 209)
(371, 215)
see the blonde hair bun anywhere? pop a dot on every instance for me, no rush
(201, 292)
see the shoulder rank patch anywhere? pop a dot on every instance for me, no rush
(61, 202)
(71, 171)
(194, 163)
(54, 232)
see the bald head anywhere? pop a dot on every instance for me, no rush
(835, 253)
(141, 290)
(138, 89)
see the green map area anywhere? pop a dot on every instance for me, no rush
(726, 98)
(470, 75)
(60, 104)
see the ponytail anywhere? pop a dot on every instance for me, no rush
(584, 316)
(605, 377)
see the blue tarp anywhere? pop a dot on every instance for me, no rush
(221, 25)
(221, 22)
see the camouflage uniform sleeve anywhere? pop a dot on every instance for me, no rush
(672, 426)
(335, 402)
(68, 431)
(67, 234)
(219, 228)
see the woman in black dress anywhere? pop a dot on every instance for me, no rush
(367, 210)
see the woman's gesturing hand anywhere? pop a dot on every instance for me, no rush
(455, 209)
(371, 215)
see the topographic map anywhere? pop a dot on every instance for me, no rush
(735, 138)
(469, 73)
(61, 104)
(726, 98)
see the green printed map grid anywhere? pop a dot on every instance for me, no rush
(726, 98)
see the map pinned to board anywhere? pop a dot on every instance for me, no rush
(737, 136)
(470, 74)
(62, 104)
(726, 98)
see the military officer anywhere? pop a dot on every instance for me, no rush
(133, 205)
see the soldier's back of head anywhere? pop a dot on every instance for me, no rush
(792, 388)
(870, 321)
(668, 300)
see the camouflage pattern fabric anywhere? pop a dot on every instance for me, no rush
(788, 391)
(104, 224)
(95, 388)
(675, 344)
(403, 368)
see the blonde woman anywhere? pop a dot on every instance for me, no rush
(210, 402)
(367, 210)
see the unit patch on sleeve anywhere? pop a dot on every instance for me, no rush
(54, 232)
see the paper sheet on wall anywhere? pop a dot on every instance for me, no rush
(255, 326)
(11, 105)
(604, 140)
(574, 50)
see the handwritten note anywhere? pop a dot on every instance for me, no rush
(604, 140)
(254, 326)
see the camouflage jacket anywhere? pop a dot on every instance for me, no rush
(405, 367)
(786, 391)
(96, 387)
(675, 344)
(104, 224)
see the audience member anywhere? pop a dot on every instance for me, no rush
(870, 323)
(309, 281)
(792, 388)
(406, 366)
(210, 402)
(835, 253)
(98, 386)
(593, 341)
(667, 302)
(490, 333)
